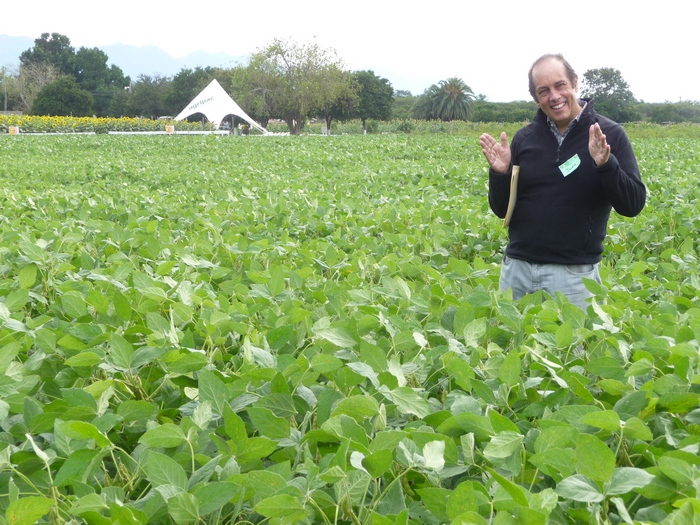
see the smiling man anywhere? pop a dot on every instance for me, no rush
(575, 166)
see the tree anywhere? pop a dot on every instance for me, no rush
(295, 81)
(147, 95)
(610, 93)
(31, 79)
(102, 81)
(454, 100)
(54, 49)
(447, 100)
(376, 97)
(63, 96)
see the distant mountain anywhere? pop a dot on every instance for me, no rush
(133, 60)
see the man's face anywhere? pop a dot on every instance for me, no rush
(555, 93)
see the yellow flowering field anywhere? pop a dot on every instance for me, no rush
(50, 124)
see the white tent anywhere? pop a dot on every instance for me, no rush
(215, 104)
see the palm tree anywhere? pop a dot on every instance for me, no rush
(453, 100)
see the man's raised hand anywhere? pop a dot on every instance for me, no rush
(497, 153)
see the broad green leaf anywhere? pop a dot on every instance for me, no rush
(267, 424)
(163, 436)
(78, 466)
(121, 352)
(676, 469)
(579, 488)
(509, 371)
(408, 401)
(564, 335)
(464, 498)
(27, 276)
(162, 470)
(338, 336)
(213, 496)
(357, 407)
(84, 431)
(635, 428)
(213, 389)
(605, 419)
(255, 448)
(435, 500)
(626, 479)
(28, 510)
(264, 483)
(503, 445)
(281, 506)
(135, 410)
(378, 463)
(631, 404)
(519, 494)
(594, 459)
(183, 508)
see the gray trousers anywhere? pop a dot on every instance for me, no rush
(524, 278)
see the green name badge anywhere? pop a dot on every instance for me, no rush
(570, 165)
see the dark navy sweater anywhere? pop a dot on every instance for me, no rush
(558, 218)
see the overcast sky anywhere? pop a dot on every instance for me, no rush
(490, 45)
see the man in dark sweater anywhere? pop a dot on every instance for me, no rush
(574, 167)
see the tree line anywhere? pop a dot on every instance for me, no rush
(285, 80)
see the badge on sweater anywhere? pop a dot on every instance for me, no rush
(570, 165)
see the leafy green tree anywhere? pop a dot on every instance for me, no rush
(295, 81)
(102, 81)
(610, 93)
(62, 97)
(401, 107)
(376, 97)
(454, 100)
(147, 96)
(519, 111)
(54, 49)
(447, 100)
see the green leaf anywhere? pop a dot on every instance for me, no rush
(518, 493)
(27, 276)
(163, 470)
(78, 466)
(635, 428)
(213, 389)
(121, 352)
(163, 436)
(409, 402)
(338, 336)
(378, 463)
(579, 488)
(509, 372)
(435, 500)
(676, 469)
(464, 498)
(84, 431)
(503, 445)
(213, 496)
(267, 424)
(183, 508)
(594, 459)
(281, 506)
(28, 510)
(626, 479)
(564, 335)
(357, 407)
(605, 419)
